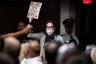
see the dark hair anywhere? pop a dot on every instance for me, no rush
(51, 21)
(51, 54)
(68, 21)
(34, 38)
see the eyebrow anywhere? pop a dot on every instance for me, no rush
(49, 26)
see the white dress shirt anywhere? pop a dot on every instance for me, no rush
(35, 60)
(66, 37)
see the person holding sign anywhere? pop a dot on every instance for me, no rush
(48, 36)
(23, 38)
(26, 30)
(33, 12)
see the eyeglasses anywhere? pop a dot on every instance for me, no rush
(49, 26)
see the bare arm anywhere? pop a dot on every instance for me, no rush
(17, 34)
(26, 30)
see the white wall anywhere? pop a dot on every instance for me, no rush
(67, 11)
(64, 14)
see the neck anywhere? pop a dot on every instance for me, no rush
(69, 33)
(31, 56)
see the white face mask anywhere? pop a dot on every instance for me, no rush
(50, 31)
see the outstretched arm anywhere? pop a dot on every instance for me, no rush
(26, 30)
(17, 34)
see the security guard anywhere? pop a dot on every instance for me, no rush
(69, 35)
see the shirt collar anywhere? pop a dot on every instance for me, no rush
(35, 58)
(66, 34)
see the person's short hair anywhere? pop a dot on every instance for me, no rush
(65, 52)
(51, 21)
(51, 54)
(34, 39)
(34, 46)
(81, 59)
(12, 48)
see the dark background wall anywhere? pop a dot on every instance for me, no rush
(86, 25)
(12, 12)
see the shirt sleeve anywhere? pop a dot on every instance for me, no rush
(60, 39)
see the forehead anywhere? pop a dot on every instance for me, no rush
(49, 24)
(33, 41)
(69, 25)
(21, 23)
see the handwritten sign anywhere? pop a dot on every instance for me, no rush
(34, 10)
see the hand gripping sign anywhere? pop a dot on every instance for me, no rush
(34, 10)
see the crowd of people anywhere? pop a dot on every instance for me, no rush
(26, 47)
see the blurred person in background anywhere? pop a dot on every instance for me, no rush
(33, 52)
(12, 48)
(66, 51)
(51, 49)
(80, 59)
(24, 48)
(21, 26)
(69, 35)
(23, 38)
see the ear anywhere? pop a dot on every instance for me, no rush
(27, 52)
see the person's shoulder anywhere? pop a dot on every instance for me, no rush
(36, 34)
(63, 34)
(59, 36)
(37, 61)
(74, 36)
